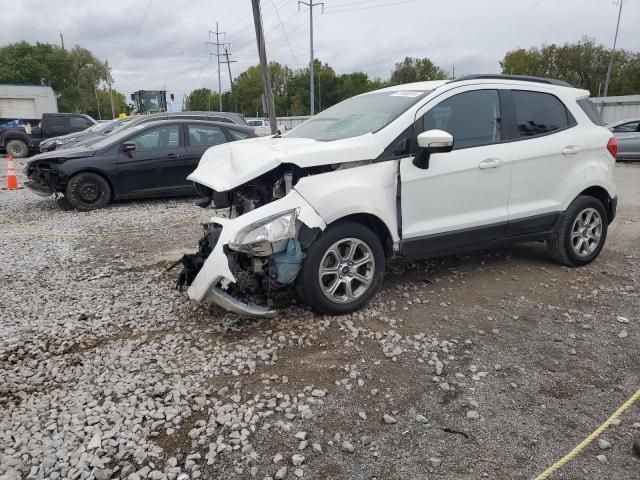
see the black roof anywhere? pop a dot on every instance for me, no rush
(521, 78)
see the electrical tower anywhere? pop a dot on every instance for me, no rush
(229, 62)
(310, 4)
(217, 44)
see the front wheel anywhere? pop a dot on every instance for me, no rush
(343, 269)
(582, 233)
(88, 191)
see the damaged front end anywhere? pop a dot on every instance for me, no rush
(44, 179)
(253, 244)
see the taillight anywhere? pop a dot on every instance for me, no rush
(612, 146)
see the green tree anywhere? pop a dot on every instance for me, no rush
(582, 64)
(75, 75)
(119, 104)
(416, 70)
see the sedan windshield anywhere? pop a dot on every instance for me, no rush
(358, 115)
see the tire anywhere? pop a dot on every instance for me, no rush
(64, 204)
(17, 149)
(581, 234)
(88, 191)
(322, 256)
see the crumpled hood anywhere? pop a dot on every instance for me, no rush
(62, 155)
(230, 165)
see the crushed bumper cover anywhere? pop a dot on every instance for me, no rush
(215, 275)
(39, 188)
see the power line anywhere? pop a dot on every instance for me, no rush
(337, 10)
(135, 36)
(312, 92)
(217, 44)
(285, 35)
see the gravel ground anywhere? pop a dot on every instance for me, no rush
(488, 365)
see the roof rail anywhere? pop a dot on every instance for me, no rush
(521, 78)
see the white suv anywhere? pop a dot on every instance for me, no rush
(413, 170)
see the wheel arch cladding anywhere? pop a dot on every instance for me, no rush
(375, 224)
(601, 194)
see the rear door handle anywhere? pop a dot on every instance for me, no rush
(490, 163)
(173, 155)
(570, 150)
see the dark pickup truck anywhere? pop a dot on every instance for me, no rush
(20, 141)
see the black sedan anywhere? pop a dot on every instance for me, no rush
(148, 160)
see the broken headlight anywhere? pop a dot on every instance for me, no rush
(259, 238)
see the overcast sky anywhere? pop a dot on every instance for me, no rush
(152, 44)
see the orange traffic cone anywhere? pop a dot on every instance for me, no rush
(12, 179)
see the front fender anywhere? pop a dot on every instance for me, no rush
(367, 189)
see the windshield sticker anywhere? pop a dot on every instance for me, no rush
(406, 94)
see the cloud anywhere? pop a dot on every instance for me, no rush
(169, 48)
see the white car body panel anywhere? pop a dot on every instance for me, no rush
(229, 165)
(349, 191)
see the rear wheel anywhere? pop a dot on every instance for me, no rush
(582, 233)
(88, 191)
(17, 149)
(343, 269)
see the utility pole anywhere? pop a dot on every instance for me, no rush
(113, 111)
(217, 44)
(229, 62)
(310, 4)
(613, 53)
(95, 89)
(62, 40)
(266, 78)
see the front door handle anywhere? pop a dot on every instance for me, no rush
(570, 150)
(173, 155)
(490, 163)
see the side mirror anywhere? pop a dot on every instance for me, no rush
(133, 97)
(172, 97)
(129, 147)
(432, 141)
(436, 141)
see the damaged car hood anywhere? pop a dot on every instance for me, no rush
(62, 155)
(230, 165)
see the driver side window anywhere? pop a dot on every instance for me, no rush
(157, 138)
(473, 118)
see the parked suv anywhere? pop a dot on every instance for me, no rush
(413, 170)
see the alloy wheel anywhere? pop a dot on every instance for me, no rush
(347, 270)
(586, 232)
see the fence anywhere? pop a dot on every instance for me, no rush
(622, 107)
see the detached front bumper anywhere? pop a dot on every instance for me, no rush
(213, 279)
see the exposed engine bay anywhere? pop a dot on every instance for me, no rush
(268, 260)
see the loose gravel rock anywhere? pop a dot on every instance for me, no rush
(107, 371)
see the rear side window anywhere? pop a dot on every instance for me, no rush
(539, 113)
(590, 109)
(205, 135)
(78, 122)
(237, 134)
(56, 121)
